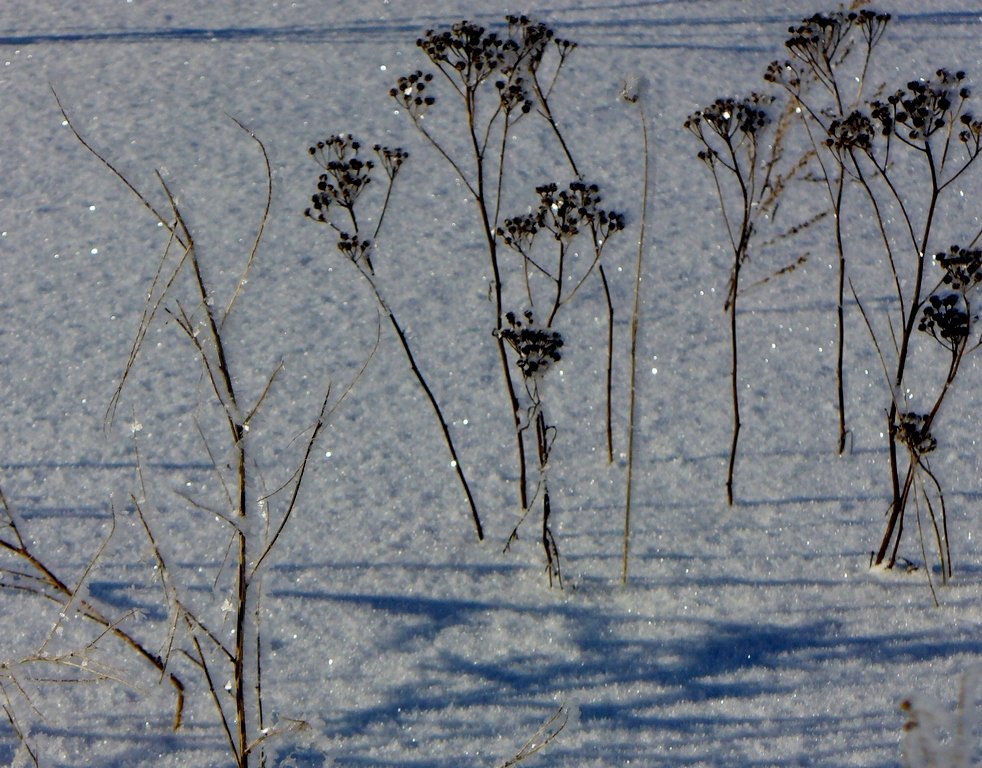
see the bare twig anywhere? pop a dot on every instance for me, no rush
(544, 735)
(635, 97)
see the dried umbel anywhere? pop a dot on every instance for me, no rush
(412, 92)
(944, 317)
(924, 107)
(946, 314)
(519, 232)
(825, 78)
(962, 266)
(469, 50)
(391, 159)
(469, 55)
(345, 177)
(821, 38)
(871, 24)
(784, 73)
(821, 43)
(358, 251)
(971, 134)
(565, 213)
(338, 203)
(729, 132)
(537, 348)
(915, 433)
(533, 39)
(735, 123)
(514, 95)
(817, 39)
(853, 132)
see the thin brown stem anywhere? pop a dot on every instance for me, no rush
(635, 327)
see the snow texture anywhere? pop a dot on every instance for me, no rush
(755, 635)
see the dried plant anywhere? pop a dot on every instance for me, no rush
(633, 93)
(830, 51)
(346, 176)
(26, 570)
(494, 81)
(544, 735)
(730, 132)
(905, 152)
(537, 350)
(250, 518)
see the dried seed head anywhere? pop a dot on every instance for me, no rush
(915, 433)
(853, 132)
(413, 93)
(924, 107)
(962, 266)
(537, 348)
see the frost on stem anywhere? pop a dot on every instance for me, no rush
(935, 737)
(634, 88)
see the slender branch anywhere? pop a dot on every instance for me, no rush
(635, 326)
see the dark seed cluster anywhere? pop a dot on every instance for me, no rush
(355, 249)
(533, 38)
(946, 314)
(469, 50)
(783, 73)
(915, 433)
(412, 92)
(730, 119)
(345, 177)
(924, 106)
(971, 133)
(962, 266)
(537, 348)
(519, 232)
(872, 24)
(564, 213)
(944, 317)
(817, 39)
(391, 159)
(514, 95)
(470, 55)
(853, 132)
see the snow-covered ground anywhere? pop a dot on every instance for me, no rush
(754, 635)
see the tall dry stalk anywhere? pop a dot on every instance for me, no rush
(633, 93)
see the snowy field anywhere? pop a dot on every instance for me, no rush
(752, 635)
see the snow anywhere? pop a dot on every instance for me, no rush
(750, 636)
